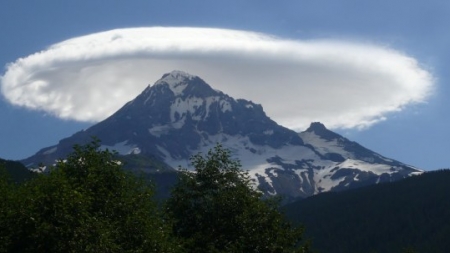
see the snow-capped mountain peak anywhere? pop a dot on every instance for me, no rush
(326, 142)
(181, 115)
(176, 80)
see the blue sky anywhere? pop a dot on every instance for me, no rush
(417, 134)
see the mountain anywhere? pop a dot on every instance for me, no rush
(390, 217)
(181, 115)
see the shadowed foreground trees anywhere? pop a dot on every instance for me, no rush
(85, 204)
(88, 203)
(215, 209)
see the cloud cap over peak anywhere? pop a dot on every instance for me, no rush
(342, 84)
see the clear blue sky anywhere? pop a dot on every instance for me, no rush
(417, 135)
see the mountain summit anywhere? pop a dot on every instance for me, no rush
(181, 115)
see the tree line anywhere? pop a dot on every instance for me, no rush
(410, 215)
(89, 203)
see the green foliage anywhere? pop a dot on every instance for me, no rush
(6, 190)
(215, 209)
(85, 204)
(88, 203)
(411, 215)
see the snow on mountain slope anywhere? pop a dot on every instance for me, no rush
(176, 80)
(324, 146)
(181, 115)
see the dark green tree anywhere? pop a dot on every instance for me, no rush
(86, 203)
(215, 209)
(6, 200)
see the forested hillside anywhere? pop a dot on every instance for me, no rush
(413, 213)
(16, 171)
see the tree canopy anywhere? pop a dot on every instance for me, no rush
(216, 209)
(86, 203)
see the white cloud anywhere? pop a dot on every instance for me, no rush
(342, 84)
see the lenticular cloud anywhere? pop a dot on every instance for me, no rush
(342, 84)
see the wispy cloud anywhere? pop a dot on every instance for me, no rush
(342, 84)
